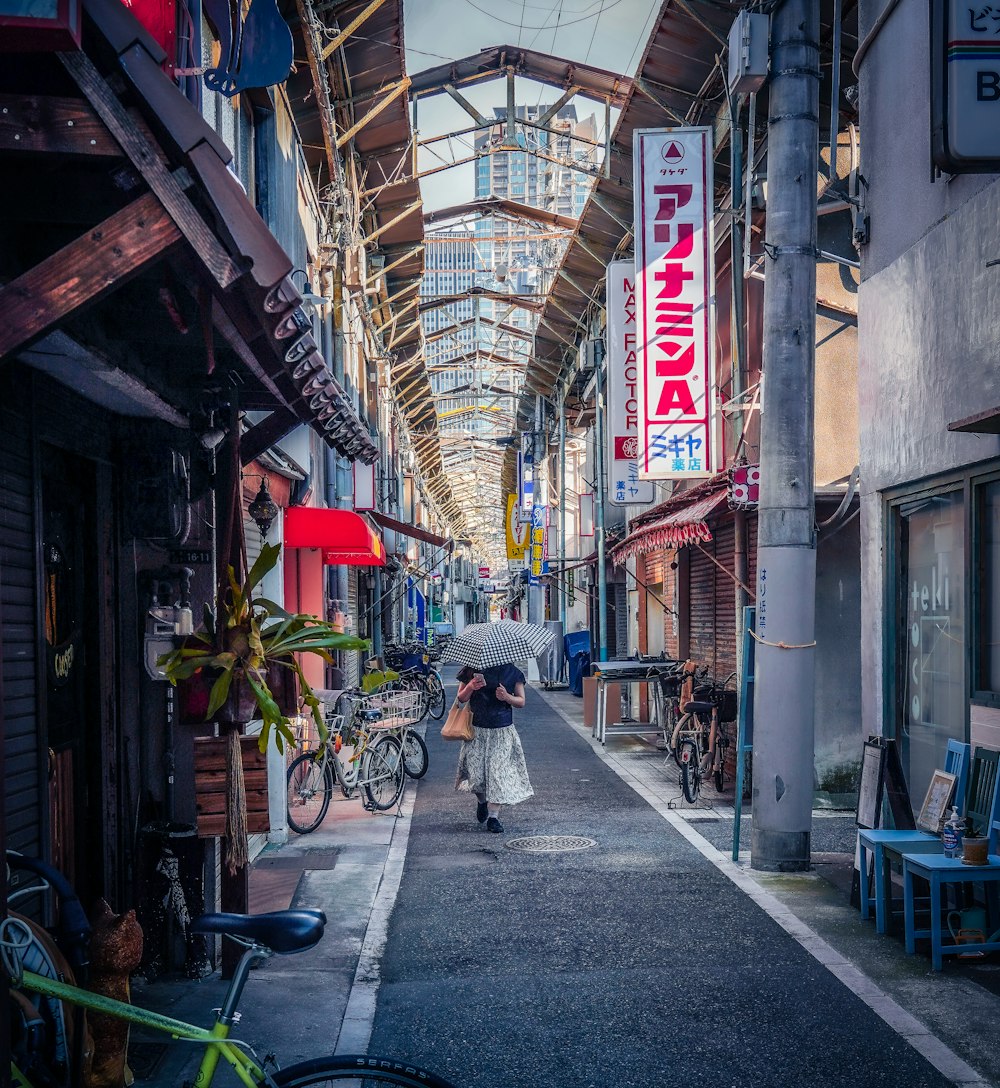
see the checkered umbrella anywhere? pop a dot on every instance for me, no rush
(484, 645)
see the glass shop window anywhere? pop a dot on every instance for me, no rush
(933, 636)
(988, 596)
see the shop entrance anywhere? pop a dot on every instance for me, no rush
(71, 581)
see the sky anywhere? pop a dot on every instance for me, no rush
(610, 34)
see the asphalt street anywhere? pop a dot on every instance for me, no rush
(634, 963)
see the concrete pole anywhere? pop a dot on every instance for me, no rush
(786, 550)
(602, 579)
(563, 593)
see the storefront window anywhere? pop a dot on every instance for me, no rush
(933, 590)
(989, 588)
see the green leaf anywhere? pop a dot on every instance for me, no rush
(262, 565)
(220, 691)
(208, 620)
(271, 608)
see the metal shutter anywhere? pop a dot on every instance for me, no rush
(17, 601)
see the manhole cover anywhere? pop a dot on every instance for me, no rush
(550, 844)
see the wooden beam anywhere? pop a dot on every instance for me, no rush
(84, 271)
(155, 173)
(54, 124)
(396, 89)
(262, 436)
(348, 30)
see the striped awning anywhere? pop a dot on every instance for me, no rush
(684, 525)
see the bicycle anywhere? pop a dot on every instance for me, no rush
(279, 933)
(428, 682)
(403, 708)
(700, 739)
(375, 765)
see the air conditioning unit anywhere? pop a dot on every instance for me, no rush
(748, 49)
(591, 353)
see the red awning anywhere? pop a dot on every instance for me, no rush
(344, 537)
(684, 525)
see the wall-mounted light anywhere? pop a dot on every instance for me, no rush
(315, 302)
(263, 509)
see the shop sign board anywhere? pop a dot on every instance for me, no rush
(586, 527)
(624, 485)
(676, 401)
(365, 490)
(965, 87)
(744, 487)
(539, 544)
(517, 534)
(484, 572)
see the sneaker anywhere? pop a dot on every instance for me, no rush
(494, 825)
(482, 811)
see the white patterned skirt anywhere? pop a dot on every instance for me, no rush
(492, 765)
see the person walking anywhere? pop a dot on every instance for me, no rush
(492, 764)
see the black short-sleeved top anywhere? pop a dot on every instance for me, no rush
(487, 710)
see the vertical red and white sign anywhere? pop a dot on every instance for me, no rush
(675, 285)
(624, 485)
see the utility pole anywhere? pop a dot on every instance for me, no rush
(784, 679)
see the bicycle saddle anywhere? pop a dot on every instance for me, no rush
(698, 706)
(283, 931)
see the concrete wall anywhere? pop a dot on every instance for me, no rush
(838, 733)
(928, 305)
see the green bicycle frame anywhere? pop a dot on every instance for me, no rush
(214, 1039)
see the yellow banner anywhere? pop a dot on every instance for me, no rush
(517, 535)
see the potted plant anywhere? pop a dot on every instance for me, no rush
(247, 654)
(975, 845)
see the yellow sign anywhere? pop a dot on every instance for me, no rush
(517, 535)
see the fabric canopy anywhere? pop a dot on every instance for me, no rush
(410, 530)
(344, 537)
(684, 525)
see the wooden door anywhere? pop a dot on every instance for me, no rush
(69, 579)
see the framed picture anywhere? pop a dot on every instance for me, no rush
(934, 810)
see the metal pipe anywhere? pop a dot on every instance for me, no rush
(784, 667)
(748, 186)
(602, 579)
(835, 90)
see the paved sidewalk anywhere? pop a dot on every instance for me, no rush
(650, 839)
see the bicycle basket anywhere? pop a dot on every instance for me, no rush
(727, 706)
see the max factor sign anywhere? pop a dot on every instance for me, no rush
(965, 86)
(624, 485)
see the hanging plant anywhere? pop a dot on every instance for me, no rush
(253, 641)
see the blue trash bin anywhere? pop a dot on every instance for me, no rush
(577, 647)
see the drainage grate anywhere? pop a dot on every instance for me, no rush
(550, 844)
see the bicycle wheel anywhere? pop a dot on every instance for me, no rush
(690, 770)
(414, 754)
(382, 772)
(675, 749)
(308, 796)
(719, 774)
(436, 689)
(363, 1070)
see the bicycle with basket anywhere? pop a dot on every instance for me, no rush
(696, 717)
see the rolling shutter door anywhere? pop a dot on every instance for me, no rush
(725, 600)
(352, 658)
(17, 601)
(701, 606)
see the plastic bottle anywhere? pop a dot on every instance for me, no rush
(951, 834)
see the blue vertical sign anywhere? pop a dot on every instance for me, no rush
(537, 564)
